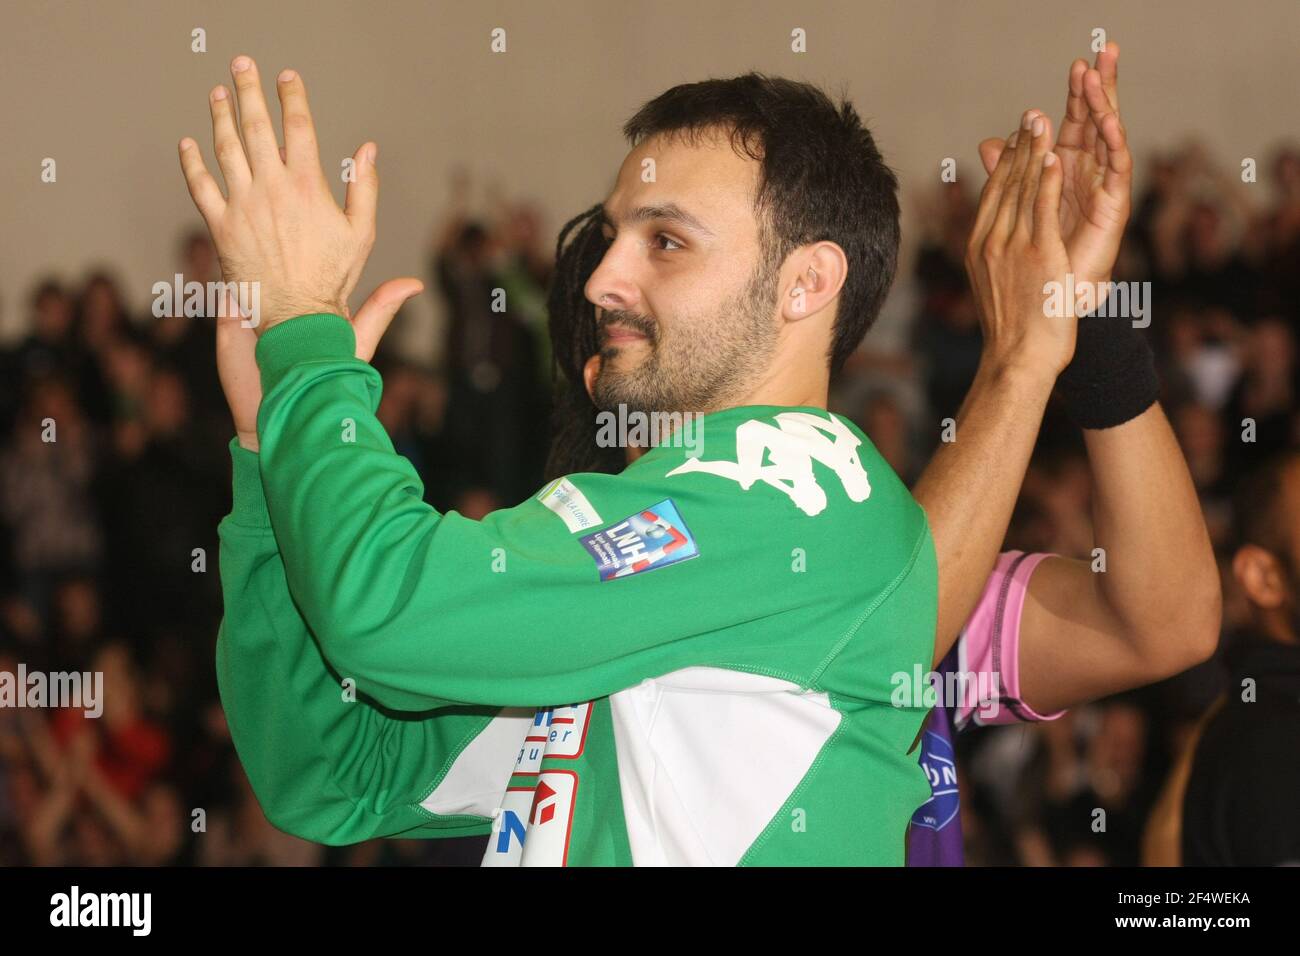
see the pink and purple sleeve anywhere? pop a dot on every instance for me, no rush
(988, 650)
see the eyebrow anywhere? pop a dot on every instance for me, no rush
(670, 212)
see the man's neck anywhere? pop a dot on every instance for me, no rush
(788, 391)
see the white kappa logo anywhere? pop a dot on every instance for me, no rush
(791, 450)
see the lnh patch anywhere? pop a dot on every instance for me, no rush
(653, 538)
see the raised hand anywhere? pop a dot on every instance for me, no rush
(1016, 249)
(278, 225)
(1098, 170)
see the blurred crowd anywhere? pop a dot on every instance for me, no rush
(108, 541)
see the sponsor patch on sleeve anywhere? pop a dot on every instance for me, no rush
(649, 539)
(564, 498)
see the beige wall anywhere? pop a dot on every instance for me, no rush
(108, 88)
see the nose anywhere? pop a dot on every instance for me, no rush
(611, 287)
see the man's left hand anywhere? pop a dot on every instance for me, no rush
(278, 225)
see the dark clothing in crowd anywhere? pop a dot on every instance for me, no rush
(496, 407)
(157, 509)
(1242, 806)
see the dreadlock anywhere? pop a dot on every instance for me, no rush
(572, 323)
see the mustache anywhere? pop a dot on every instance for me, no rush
(631, 320)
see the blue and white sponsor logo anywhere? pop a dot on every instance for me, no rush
(941, 770)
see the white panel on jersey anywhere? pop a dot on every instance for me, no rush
(476, 782)
(536, 820)
(707, 756)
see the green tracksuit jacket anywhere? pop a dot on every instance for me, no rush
(690, 662)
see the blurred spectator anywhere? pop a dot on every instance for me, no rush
(101, 322)
(48, 349)
(1239, 808)
(46, 471)
(161, 500)
(496, 403)
(1265, 396)
(188, 343)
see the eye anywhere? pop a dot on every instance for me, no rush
(666, 238)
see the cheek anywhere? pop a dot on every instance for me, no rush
(680, 301)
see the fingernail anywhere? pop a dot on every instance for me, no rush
(219, 93)
(1027, 120)
(287, 76)
(1039, 126)
(241, 64)
(372, 154)
(1049, 159)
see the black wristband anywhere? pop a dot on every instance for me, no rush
(1112, 377)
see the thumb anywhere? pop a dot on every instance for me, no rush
(373, 318)
(990, 151)
(236, 348)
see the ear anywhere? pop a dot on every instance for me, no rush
(1260, 576)
(818, 275)
(589, 373)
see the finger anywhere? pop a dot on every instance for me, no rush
(376, 314)
(1076, 110)
(1095, 100)
(1040, 145)
(991, 196)
(1006, 218)
(1100, 109)
(236, 349)
(990, 152)
(1047, 203)
(254, 118)
(1107, 67)
(226, 143)
(363, 191)
(1098, 103)
(1118, 177)
(300, 149)
(203, 188)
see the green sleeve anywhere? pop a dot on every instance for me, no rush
(323, 768)
(427, 610)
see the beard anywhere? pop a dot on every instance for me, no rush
(704, 363)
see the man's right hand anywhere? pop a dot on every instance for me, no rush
(236, 344)
(1093, 151)
(1015, 250)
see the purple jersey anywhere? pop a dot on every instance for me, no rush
(978, 682)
